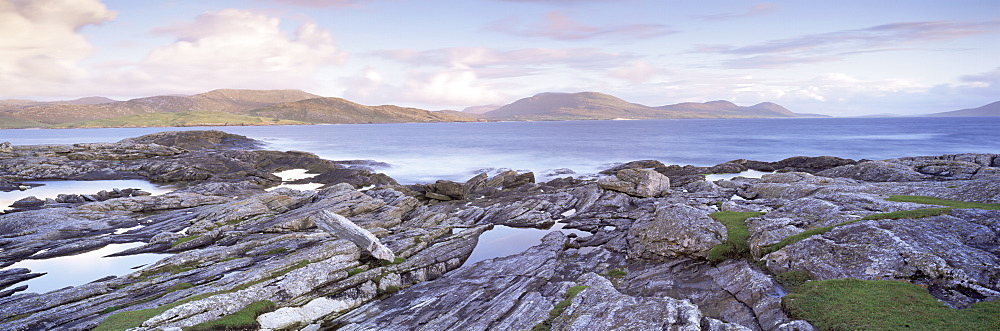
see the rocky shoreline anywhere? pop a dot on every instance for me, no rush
(365, 253)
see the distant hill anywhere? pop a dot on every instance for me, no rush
(7, 122)
(992, 109)
(231, 101)
(194, 118)
(599, 106)
(480, 109)
(340, 111)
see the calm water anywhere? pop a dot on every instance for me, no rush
(83, 268)
(424, 152)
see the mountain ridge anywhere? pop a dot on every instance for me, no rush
(599, 106)
(991, 109)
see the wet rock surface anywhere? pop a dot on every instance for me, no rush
(364, 253)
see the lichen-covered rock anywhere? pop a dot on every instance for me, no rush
(675, 231)
(955, 255)
(600, 305)
(638, 182)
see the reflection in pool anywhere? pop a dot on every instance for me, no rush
(83, 268)
(505, 240)
(293, 175)
(53, 188)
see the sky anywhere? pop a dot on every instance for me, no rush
(841, 58)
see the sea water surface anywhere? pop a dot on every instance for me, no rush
(425, 152)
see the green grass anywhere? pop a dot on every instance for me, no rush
(853, 304)
(354, 271)
(559, 307)
(905, 214)
(735, 246)
(791, 280)
(245, 319)
(132, 319)
(909, 214)
(941, 202)
(397, 260)
(616, 273)
(183, 240)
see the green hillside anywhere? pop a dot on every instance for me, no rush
(340, 111)
(193, 118)
(7, 122)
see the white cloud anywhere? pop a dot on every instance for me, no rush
(636, 72)
(237, 48)
(456, 86)
(41, 47)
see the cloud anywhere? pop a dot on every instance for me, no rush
(775, 61)
(483, 56)
(237, 49)
(451, 87)
(567, 2)
(832, 46)
(41, 44)
(321, 3)
(637, 72)
(985, 84)
(559, 26)
(755, 10)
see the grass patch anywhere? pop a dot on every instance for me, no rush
(354, 271)
(735, 246)
(132, 319)
(853, 304)
(397, 260)
(559, 307)
(616, 273)
(183, 240)
(178, 287)
(791, 280)
(941, 202)
(245, 319)
(896, 215)
(909, 214)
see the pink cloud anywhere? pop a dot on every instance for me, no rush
(482, 56)
(832, 46)
(322, 3)
(755, 10)
(559, 26)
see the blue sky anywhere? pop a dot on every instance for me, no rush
(835, 57)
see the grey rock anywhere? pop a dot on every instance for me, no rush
(675, 231)
(344, 228)
(598, 307)
(638, 182)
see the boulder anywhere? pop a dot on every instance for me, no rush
(641, 164)
(675, 231)
(197, 139)
(342, 227)
(599, 306)
(644, 183)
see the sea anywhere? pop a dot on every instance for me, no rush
(426, 152)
